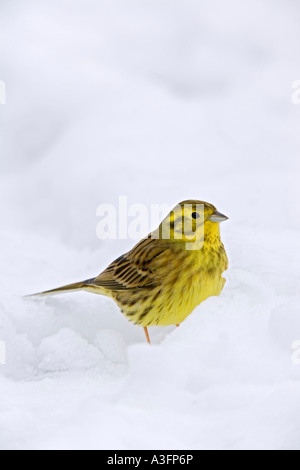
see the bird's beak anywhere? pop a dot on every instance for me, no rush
(217, 217)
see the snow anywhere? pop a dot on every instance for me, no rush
(159, 101)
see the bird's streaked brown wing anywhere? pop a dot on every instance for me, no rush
(134, 270)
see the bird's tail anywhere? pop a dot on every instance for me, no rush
(65, 289)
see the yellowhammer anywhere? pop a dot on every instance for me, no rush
(167, 274)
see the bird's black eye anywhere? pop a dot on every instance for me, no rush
(195, 215)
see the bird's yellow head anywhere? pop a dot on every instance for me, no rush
(191, 222)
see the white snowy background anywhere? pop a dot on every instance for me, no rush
(160, 101)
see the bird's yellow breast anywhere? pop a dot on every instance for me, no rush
(186, 278)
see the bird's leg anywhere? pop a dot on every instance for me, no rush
(178, 325)
(147, 335)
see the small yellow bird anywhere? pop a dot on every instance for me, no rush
(168, 273)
